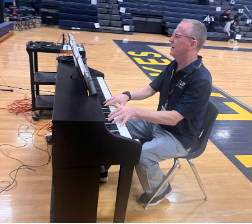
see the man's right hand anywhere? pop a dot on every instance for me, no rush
(121, 99)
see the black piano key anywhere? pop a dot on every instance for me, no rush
(116, 133)
(111, 128)
(108, 121)
(111, 125)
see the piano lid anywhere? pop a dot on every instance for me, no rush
(70, 101)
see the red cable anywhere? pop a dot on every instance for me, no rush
(24, 106)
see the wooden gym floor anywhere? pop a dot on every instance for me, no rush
(228, 189)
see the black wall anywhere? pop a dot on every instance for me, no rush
(1, 11)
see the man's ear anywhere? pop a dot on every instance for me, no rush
(193, 44)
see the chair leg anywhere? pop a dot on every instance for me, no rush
(31, 21)
(179, 164)
(197, 177)
(40, 22)
(18, 25)
(23, 24)
(163, 182)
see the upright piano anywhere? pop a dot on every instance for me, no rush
(83, 140)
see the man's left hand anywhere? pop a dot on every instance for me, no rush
(123, 113)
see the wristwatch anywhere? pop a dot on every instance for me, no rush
(128, 94)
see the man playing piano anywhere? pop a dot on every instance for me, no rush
(173, 130)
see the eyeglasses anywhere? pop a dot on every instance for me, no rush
(177, 36)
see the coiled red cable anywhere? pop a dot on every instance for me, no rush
(24, 106)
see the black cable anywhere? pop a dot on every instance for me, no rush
(11, 90)
(26, 89)
(7, 90)
(13, 184)
(60, 37)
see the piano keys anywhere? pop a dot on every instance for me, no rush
(104, 94)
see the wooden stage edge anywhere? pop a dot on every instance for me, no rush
(6, 35)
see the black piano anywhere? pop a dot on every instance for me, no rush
(83, 140)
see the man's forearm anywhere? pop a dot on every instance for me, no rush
(159, 117)
(142, 93)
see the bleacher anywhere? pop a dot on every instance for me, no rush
(89, 15)
(150, 16)
(171, 19)
(239, 8)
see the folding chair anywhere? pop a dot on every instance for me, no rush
(212, 112)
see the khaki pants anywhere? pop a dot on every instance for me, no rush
(159, 145)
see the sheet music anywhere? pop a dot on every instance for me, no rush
(77, 56)
(82, 67)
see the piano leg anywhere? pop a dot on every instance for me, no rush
(123, 190)
(52, 205)
(76, 192)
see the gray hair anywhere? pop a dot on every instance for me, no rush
(198, 31)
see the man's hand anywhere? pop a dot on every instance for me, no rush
(229, 34)
(122, 113)
(121, 99)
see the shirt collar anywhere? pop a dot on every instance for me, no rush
(191, 67)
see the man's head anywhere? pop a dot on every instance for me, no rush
(188, 38)
(228, 11)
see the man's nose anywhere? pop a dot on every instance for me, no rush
(171, 39)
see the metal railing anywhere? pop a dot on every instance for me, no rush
(245, 15)
(248, 10)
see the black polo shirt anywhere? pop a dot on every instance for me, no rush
(191, 87)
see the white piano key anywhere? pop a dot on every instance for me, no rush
(123, 130)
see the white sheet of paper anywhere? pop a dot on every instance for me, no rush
(122, 9)
(97, 25)
(126, 28)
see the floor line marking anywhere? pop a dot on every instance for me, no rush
(233, 97)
